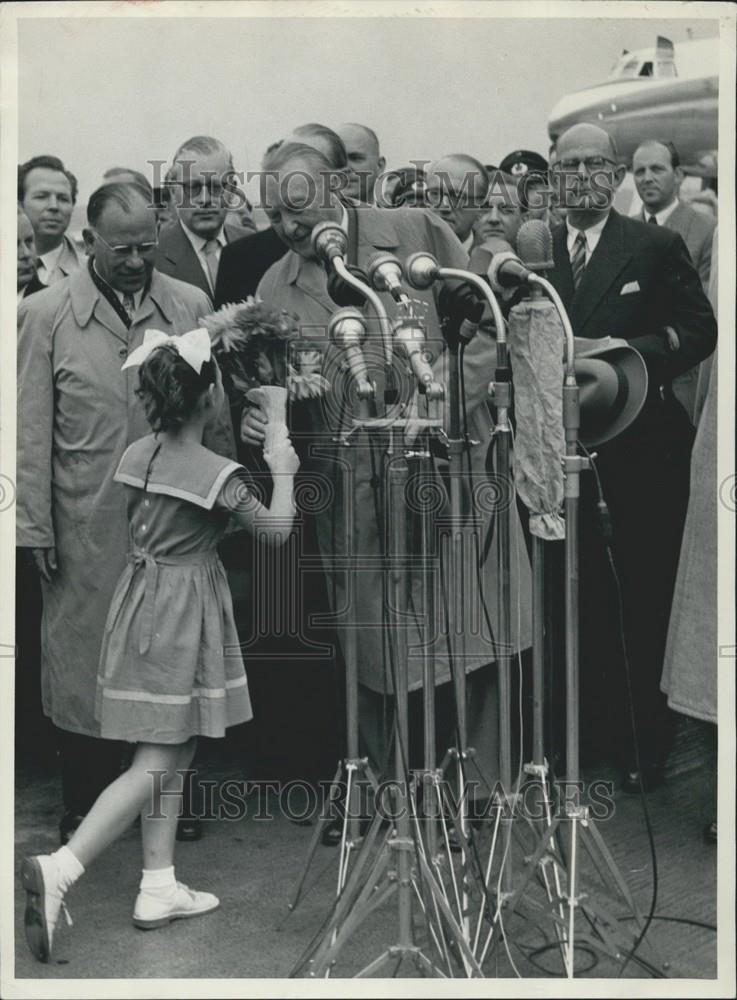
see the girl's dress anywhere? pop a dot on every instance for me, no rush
(170, 665)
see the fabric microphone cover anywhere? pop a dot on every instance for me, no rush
(536, 342)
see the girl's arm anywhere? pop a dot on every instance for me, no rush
(272, 523)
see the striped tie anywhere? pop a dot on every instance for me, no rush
(653, 221)
(129, 304)
(578, 259)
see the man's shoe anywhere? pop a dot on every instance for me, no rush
(189, 829)
(646, 780)
(67, 826)
(44, 899)
(150, 912)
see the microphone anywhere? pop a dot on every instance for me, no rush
(385, 274)
(459, 303)
(535, 245)
(329, 241)
(508, 271)
(347, 330)
(422, 269)
(410, 336)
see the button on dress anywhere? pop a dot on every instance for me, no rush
(170, 665)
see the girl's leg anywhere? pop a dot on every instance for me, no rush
(161, 898)
(161, 810)
(46, 878)
(120, 803)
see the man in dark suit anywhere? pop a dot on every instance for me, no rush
(199, 182)
(618, 277)
(657, 173)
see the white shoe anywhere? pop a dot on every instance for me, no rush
(44, 899)
(150, 912)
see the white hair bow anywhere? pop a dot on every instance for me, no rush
(194, 347)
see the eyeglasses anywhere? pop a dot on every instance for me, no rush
(590, 164)
(123, 250)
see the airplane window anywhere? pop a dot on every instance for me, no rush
(667, 69)
(647, 69)
(630, 68)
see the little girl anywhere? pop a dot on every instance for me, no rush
(170, 665)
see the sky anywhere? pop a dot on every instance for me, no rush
(101, 92)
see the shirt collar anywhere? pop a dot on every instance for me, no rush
(51, 258)
(591, 234)
(663, 214)
(198, 242)
(137, 296)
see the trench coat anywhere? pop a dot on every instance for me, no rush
(77, 413)
(348, 509)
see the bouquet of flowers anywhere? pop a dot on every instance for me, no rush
(256, 345)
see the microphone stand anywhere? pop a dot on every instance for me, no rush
(392, 870)
(604, 930)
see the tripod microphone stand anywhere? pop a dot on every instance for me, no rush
(422, 270)
(401, 863)
(603, 932)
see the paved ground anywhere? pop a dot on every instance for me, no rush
(253, 866)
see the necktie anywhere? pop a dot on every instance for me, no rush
(653, 221)
(578, 259)
(129, 304)
(210, 250)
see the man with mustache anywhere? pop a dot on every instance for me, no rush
(47, 193)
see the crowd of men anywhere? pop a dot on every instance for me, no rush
(163, 256)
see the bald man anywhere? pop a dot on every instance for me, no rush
(457, 187)
(365, 161)
(620, 277)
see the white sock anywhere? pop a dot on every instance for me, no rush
(69, 867)
(159, 882)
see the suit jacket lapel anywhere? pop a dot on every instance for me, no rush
(606, 263)
(561, 276)
(181, 254)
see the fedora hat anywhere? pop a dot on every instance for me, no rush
(612, 381)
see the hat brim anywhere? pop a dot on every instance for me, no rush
(631, 364)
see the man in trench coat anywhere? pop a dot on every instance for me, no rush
(77, 413)
(298, 283)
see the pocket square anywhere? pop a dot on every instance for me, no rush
(631, 286)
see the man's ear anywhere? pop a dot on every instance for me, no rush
(89, 240)
(381, 163)
(619, 174)
(679, 176)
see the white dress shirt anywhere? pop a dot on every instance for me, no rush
(663, 215)
(198, 245)
(137, 296)
(592, 234)
(47, 263)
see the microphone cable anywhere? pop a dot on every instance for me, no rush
(607, 531)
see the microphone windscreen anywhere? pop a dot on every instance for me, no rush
(535, 245)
